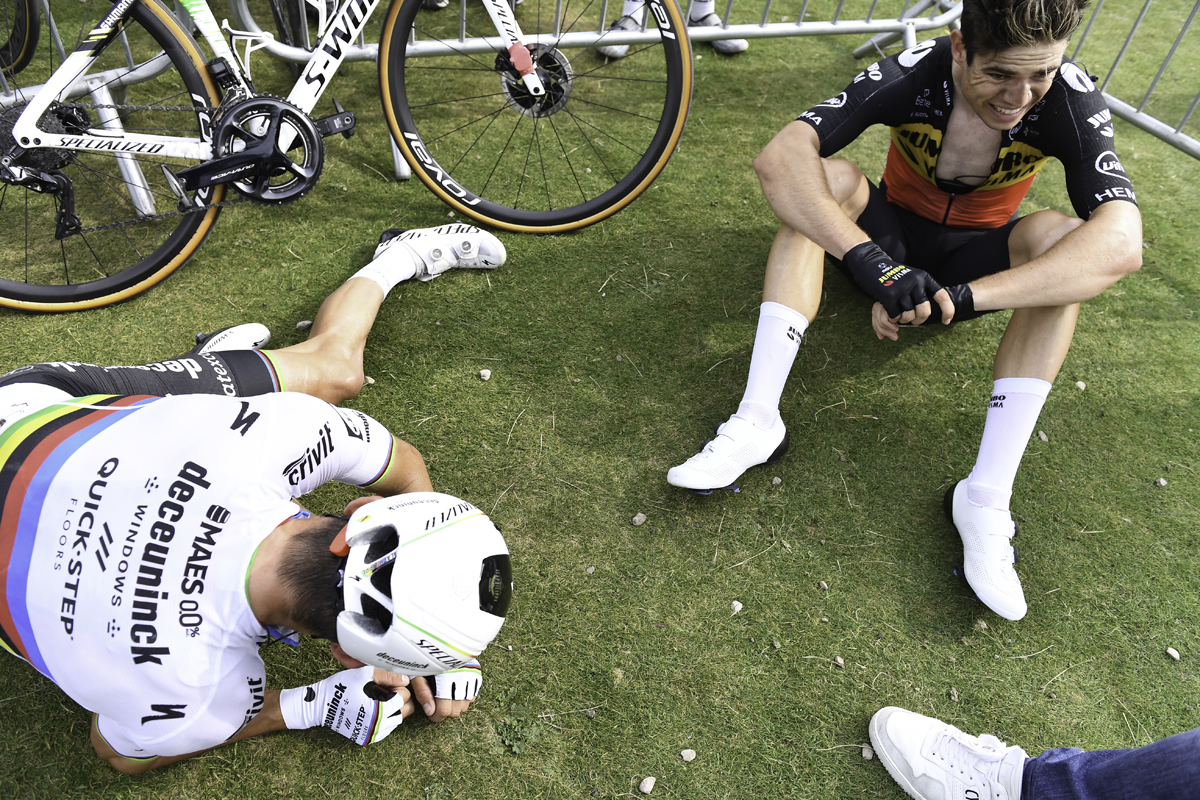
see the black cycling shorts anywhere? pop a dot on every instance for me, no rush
(951, 255)
(235, 373)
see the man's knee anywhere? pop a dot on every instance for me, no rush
(1037, 233)
(847, 184)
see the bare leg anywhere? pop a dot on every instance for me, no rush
(796, 265)
(329, 365)
(1036, 341)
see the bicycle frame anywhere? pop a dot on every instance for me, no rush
(343, 28)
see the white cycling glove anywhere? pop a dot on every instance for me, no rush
(459, 684)
(347, 702)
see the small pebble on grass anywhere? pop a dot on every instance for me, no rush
(688, 755)
(823, 585)
(485, 374)
(591, 713)
(736, 606)
(1161, 482)
(837, 660)
(647, 785)
(1080, 385)
(590, 570)
(304, 324)
(776, 480)
(638, 519)
(1042, 435)
(370, 381)
(867, 752)
(1173, 653)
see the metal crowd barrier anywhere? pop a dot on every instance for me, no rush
(1157, 30)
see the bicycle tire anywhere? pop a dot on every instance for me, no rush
(133, 235)
(20, 24)
(599, 147)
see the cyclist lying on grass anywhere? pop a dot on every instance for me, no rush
(973, 117)
(150, 541)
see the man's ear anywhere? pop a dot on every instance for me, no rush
(958, 48)
(343, 658)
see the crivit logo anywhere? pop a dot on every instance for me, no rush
(307, 464)
(439, 177)
(1108, 164)
(910, 58)
(1076, 78)
(834, 102)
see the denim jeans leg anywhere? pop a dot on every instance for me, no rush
(1166, 770)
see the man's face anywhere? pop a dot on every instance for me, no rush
(1001, 87)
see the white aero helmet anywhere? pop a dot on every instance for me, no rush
(427, 583)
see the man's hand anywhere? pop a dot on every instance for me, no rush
(962, 308)
(453, 691)
(349, 702)
(903, 291)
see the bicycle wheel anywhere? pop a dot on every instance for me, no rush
(467, 127)
(152, 80)
(20, 25)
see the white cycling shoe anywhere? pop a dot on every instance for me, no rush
(726, 47)
(616, 51)
(250, 336)
(738, 445)
(988, 553)
(446, 247)
(932, 760)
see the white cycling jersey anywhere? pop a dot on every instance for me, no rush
(127, 529)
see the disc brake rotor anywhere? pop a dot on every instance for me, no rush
(557, 78)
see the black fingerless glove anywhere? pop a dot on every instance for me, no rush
(964, 304)
(897, 287)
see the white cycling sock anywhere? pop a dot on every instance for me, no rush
(775, 345)
(702, 8)
(1011, 416)
(635, 9)
(390, 266)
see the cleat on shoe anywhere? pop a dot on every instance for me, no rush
(446, 247)
(726, 47)
(616, 51)
(250, 336)
(932, 760)
(988, 553)
(738, 445)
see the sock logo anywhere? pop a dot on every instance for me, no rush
(793, 334)
(997, 401)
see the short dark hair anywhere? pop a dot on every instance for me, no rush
(990, 26)
(309, 572)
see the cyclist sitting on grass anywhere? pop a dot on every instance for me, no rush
(973, 117)
(150, 541)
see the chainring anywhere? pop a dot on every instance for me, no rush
(292, 151)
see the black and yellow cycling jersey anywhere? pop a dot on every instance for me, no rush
(913, 94)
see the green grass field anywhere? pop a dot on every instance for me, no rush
(614, 351)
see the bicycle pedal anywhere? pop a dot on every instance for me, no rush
(341, 121)
(175, 184)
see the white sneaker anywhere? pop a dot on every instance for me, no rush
(443, 248)
(616, 51)
(250, 336)
(726, 47)
(738, 446)
(988, 553)
(935, 761)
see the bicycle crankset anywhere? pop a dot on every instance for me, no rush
(269, 151)
(552, 67)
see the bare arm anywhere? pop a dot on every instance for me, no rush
(406, 473)
(796, 186)
(1079, 266)
(268, 720)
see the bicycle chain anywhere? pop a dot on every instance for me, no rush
(156, 217)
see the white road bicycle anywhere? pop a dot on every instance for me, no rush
(118, 152)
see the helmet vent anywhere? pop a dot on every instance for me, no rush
(381, 579)
(375, 610)
(382, 546)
